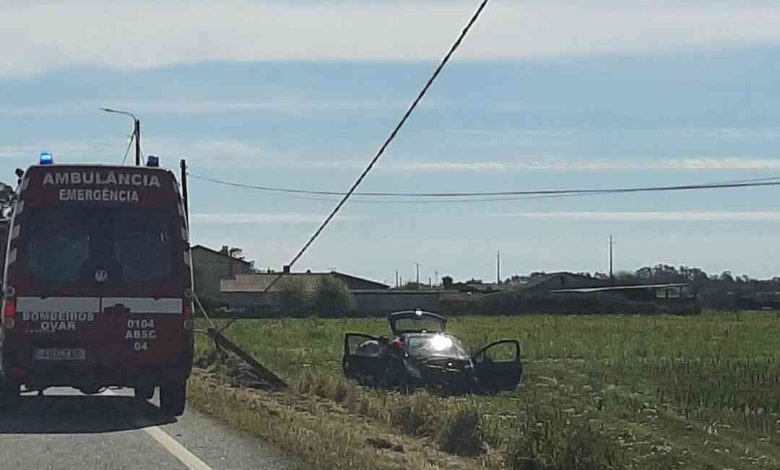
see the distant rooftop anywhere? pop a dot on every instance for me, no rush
(308, 281)
(220, 253)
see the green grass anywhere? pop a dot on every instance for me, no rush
(597, 392)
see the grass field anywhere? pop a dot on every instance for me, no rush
(597, 392)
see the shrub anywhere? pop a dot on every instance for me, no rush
(333, 298)
(552, 445)
(416, 415)
(292, 298)
(516, 303)
(461, 432)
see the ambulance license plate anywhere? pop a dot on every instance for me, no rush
(57, 354)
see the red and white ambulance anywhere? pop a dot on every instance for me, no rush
(97, 288)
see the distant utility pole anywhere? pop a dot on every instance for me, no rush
(611, 244)
(396, 279)
(498, 267)
(417, 267)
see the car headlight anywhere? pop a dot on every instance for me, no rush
(440, 343)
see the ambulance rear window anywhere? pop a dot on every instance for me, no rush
(57, 244)
(69, 245)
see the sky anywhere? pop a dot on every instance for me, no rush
(542, 95)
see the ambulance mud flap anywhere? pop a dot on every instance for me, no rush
(9, 393)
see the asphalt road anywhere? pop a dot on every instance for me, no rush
(65, 430)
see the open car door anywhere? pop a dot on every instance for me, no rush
(416, 321)
(363, 358)
(497, 366)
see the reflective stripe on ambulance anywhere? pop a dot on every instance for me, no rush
(141, 305)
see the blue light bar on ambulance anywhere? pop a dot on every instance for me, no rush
(46, 158)
(153, 161)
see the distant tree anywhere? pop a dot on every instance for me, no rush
(292, 297)
(7, 195)
(726, 276)
(695, 274)
(625, 277)
(333, 298)
(645, 272)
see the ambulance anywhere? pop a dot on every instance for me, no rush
(97, 286)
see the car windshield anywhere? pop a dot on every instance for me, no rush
(68, 245)
(435, 345)
(422, 323)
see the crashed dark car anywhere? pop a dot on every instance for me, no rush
(422, 354)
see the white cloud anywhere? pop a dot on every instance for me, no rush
(445, 166)
(583, 165)
(42, 35)
(290, 105)
(203, 153)
(679, 216)
(215, 152)
(731, 132)
(260, 219)
(724, 163)
(72, 151)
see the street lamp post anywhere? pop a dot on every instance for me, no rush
(136, 132)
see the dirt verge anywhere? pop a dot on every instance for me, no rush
(320, 431)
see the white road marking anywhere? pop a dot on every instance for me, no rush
(190, 460)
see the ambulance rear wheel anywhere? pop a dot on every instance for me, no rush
(144, 392)
(9, 392)
(173, 398)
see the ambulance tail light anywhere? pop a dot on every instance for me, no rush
(9, 312)
(186, 314)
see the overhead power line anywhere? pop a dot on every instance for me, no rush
(127, 150)
(390, 138)
(478, 196)
(384, 145)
